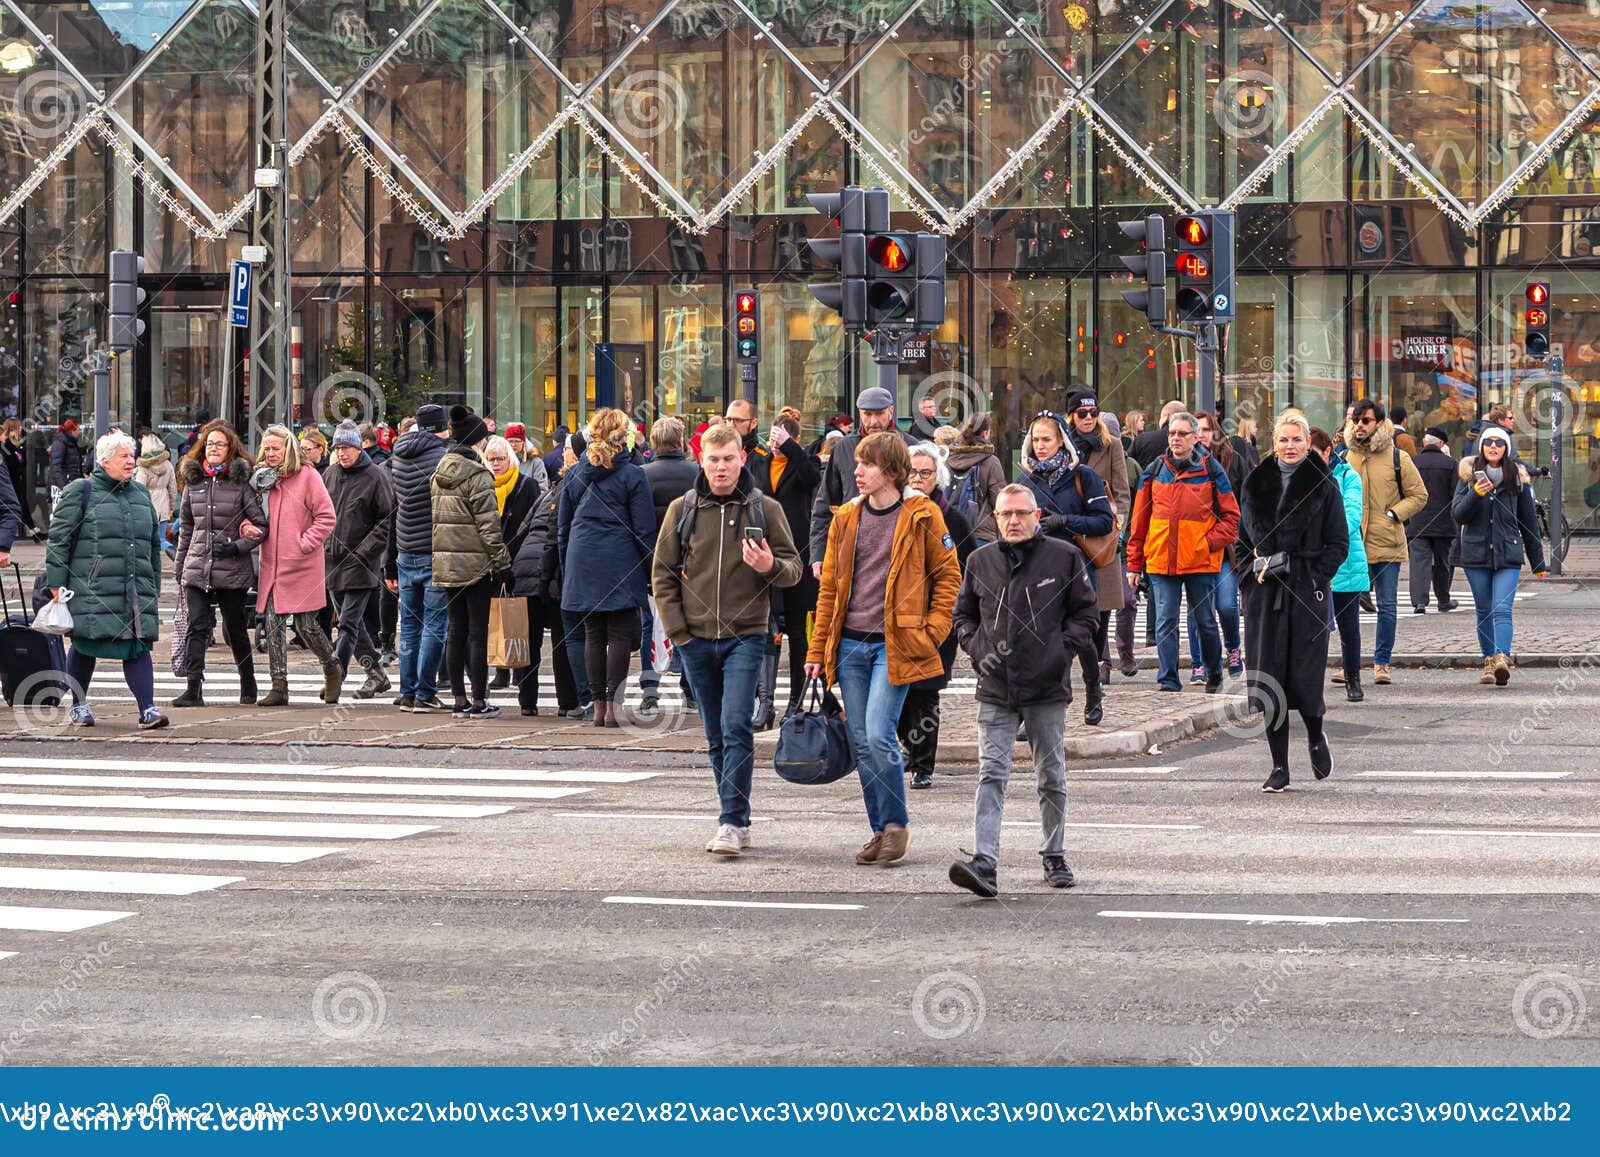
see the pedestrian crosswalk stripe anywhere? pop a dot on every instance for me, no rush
(148, 850)
(1129, 827)
(56, 919)
(702, 818)
(1462, 774)
(355, 770)
(1503, 832)
(677, 902)
(459, 811)
(4, 955)
(292, 786)
(29, 761)
(1279, 918)
(1130, 770)
(121, 883)
(185, 827)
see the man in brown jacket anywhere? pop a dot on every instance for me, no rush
(714, 569)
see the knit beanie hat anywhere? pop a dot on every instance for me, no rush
(347, 435)
(466, 427)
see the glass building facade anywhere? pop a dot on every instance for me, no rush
(484, 191)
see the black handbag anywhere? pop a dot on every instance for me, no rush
(814, 741)
(1274, 565)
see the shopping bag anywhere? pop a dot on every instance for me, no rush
(508, 633)
(660, 644)
(180, 637)
(814, 741)
(54, 618)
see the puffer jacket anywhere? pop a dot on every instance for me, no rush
(66, 458)
(1375, 462)
(534, 567)
(605, 531)
(363, 502)
(1501, 529)
(114, 570)
(466, 541)
(209, 513)
(1184, 517)
(1352, 575)
(991, 477)
(1438, 471)
(1077, 503)
(411, 468)
(156, 473)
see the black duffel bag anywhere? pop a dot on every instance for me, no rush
(814, 740)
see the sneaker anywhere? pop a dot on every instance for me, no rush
(484, 711)
(1197, 674)
(377, 683)
(427, 706)
(462, 711)
(1380, 674)
(869, 850)
(1367, 605)
(1056, 872)
(649, 705)
(744, 836)
(1214, 684)
(573, 713)
(1452, 605)
(1419, 610)
(1277, 781)
(529, 712)
(896, 843)
(1338, 676)
(921, 779)
(1235, 661)
(406, 702)
(1321, 758)
(151, 719)
(81, 716)
(976, 876)
(1129, 664)
(725, 842)
(388, 658)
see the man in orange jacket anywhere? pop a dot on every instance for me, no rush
(1184, 517)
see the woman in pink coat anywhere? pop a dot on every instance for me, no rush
(291, 585)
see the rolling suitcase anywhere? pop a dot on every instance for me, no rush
(32, 664)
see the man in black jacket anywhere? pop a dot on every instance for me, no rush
(790, 474)
(927, 419)
(66, 457)
(363, 503)
(876, 406)
(1151, 444)
(1027, 608)
(670, 471)
(408, 568)
(1431, 530)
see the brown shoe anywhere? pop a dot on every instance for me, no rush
(278, 696)
(602, 711)
(869, 850)
(332, 683)
(1380, 674)
(1502, 670)
(896, 843)
(1487, 678)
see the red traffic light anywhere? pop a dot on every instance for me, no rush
(1538, 292)
(1192, 231)
(888, 253)
(1193, 265)
(745, 303)
(1538, 318)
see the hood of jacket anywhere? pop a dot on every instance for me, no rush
(193, 473)
(1029, 462)
(1470, 464)
(457, 468)
(414, 444)
(742, 489)
(363, 460)
(966, 457)
(1381, 442)
(151, 461)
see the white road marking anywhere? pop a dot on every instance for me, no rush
(198, 763)
(4, 955)
(1502, 832)
(1071, 771)
(260, 828)
(200, 803)
(144, 850)
(675, 902)
(56, 919)
(291, 786)
(699, 819)
(121, 883)
(359, 771)
(1462, 774)
(1273, 918)
(1129, 827)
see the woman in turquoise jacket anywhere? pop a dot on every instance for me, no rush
(1351, 581)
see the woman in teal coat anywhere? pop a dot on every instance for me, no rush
(105, 547)
(1351, 581)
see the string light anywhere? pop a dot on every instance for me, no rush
(762, 168)
(41, 172)
(1155, 186)
(438, 230)
(1536, 159)
(1013, 165)
(154, 187)
(626, 168)
(824, 107)
(1282, 153)
(1403, 165)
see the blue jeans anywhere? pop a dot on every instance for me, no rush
(872, 707)
(1201, 590)
(572, 624)
(723, 673)
(1385, 594)
(422, 620)
(1227, 611)
(1493, 593)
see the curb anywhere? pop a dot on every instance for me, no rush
(1463, 660)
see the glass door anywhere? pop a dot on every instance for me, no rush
(186, 359)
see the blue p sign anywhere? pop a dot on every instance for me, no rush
(239, 294)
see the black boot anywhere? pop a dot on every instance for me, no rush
(1093, 710)
(977, 876)
(191, 697)
(1352, 689)
(247, 682)
(1321, 757)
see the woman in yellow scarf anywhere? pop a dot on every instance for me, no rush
(516, 496)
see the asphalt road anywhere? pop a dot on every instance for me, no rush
(1435, 902)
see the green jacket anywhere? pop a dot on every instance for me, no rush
(114, 571)
(467, 544)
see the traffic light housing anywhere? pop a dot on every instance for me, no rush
(746, 327)
(1536, 341)
(891, 278)
(930, 267)
(123, 300)
(848, 209)
(1204, 266)
(1151, 233)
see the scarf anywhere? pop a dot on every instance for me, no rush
(1052, 468)
(215, 471)
(503, 484)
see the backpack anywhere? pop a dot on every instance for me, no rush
(754, 513)
(967, 502)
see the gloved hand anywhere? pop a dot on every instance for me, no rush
(1054, 525)
(224, 550)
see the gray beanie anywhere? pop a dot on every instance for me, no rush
(347, 435)
(874, 398)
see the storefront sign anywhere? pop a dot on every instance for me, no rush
(1430, 349)
(914, 350)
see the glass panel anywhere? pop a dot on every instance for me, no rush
(528, 345)
(1265, 89)
(814, 163)
(66, 216)
(1421, 348)
(1340, 33)
(60, 328)
(186, 358)
(933, 366)
(1143, 372)
(688, 362)
(1022, 356)
(1317, 375)
(803, 360)
(332, 317)
(104, 41)
(419, 340)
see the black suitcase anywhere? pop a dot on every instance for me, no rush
(31, 661)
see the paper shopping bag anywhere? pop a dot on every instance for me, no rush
(508, 632)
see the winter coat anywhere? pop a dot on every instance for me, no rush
(466, 541)
(1286, 620)
(114, 570)
(363, 504)
(711, 593)
(922, 428)
(11, 518)
(301, 517)
(1385, 537)
(991, 477)
(606, 533)
(838, 487)
(1076, 504)
(156, 474)
(209, 513)
(1025, 612)
(532, 468)
(517, 517)
(1405, 441)
(411, 468)
(795, 492)
(1438, 471)
(1353, 575)
(1148, 447)
(671, 475)
(1109, 460)
(919, 596)
(1184, 518)
(1501, 529)
(961, 531)
(533, 567)
(66, 459)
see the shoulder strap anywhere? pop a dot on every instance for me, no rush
(72, 546)
(1399, 490)
(686, 516)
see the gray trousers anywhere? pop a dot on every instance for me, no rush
(1046, 724)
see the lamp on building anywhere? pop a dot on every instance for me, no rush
(949, 333)
(801, 326)
(17, 56)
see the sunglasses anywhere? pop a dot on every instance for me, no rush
(1086, 412)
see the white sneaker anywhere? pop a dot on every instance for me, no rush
(725, 842)
(744, 836)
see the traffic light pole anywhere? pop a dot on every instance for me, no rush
(886, 353)
(100, 366)
(1205, 350)
(747, 382)
(269, 349)
(1555, 368)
